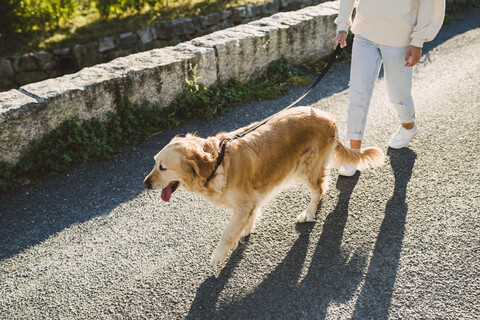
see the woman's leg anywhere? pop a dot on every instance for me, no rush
(365, 67)
(364, 70)
(399, 87)
(399, 83)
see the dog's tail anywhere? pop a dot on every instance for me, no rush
(371, 156)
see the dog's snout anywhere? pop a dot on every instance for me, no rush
(147, 184)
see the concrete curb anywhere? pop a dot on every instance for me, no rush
(159, 75)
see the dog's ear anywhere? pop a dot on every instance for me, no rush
(200, 162)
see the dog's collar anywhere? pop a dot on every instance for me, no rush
(221, 154)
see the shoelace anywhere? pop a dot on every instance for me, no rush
(401, 132)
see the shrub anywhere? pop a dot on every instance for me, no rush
(9, 19)
(456, 6)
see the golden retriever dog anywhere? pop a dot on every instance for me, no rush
(296, 144)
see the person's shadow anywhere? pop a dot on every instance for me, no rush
(331, 275)
(376, 295)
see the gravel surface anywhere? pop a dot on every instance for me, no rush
(399, 241)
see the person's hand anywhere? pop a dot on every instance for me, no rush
(413, 56)
(341, 39)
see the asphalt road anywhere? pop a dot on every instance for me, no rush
(399, 241)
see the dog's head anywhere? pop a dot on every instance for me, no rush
(186, 161)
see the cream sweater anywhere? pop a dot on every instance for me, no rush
(395, 23)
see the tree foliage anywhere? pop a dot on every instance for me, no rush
(17, 16)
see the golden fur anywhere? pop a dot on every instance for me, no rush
(297, 144)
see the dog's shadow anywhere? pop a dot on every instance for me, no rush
(203, 306)
(331, 275)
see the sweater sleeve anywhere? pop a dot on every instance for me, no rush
(429, 21)
(344, 18)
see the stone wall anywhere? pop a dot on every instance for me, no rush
(159, 75)
(19, 70)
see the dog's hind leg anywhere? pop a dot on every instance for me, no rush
(252, 220)
(317, 182)
(232, 233)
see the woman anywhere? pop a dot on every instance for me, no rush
(389, 32)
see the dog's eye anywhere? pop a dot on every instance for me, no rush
(162, 168)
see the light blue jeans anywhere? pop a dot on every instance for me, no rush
(367, 58)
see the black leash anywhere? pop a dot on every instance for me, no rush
(223, 143)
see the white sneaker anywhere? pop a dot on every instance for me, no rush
(402, 137)
(347, 171)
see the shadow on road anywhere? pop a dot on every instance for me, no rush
(376, 295)
(29, 217)
(203, 306)
(461, 23)
(32, 215)
(333, 275)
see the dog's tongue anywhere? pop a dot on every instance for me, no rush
(167, 193)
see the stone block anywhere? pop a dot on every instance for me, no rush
(211, 19)
(221, 26)
(225, 14)
(80, 53)
(45, 60)
(245, 13)
(105, 44)
(127, 40)
(163, 30)
(27, 62)
(15, 60)
(14, 133)
(331, 4)
(146, 35)
(91, 57)
(308, 35)
(6, 68)
(79, 50)
(269, 8)
(203, 59)
(13, 100)
(40, 107)
(284, 4)
(239, 51)
(183, 26)
(61, 51)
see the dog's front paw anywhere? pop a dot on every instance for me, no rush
(248, 230)
(219, 255)
(305, 216)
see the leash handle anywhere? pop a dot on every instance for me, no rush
(335, 55)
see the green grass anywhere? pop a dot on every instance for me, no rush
(458, 6)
